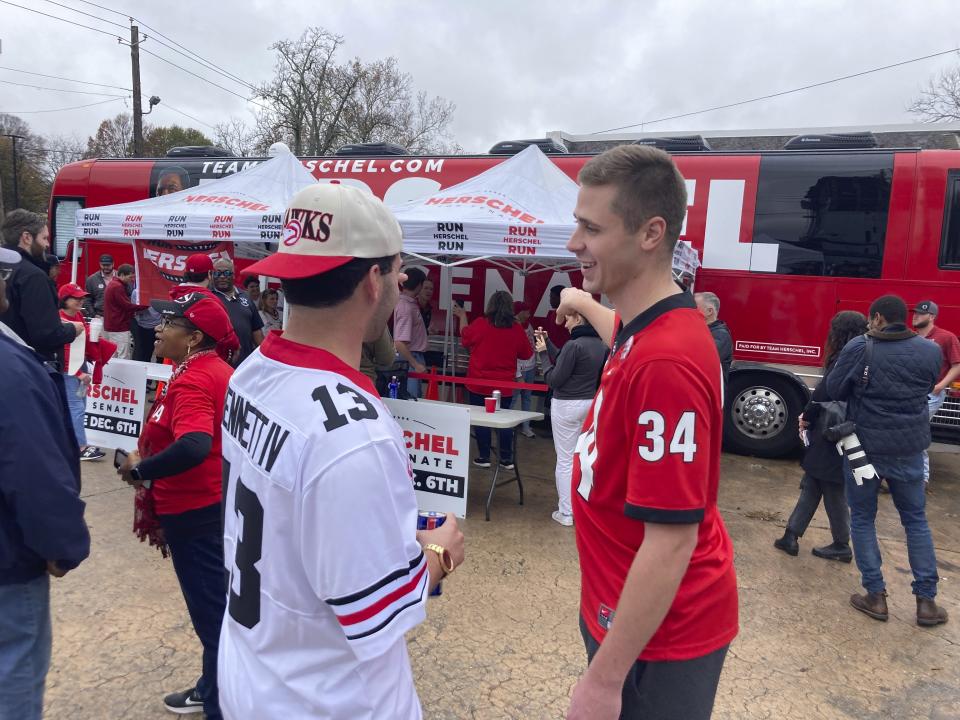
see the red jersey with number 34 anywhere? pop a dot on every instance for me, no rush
(650, 452)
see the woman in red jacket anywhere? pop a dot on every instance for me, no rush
(178, 473)
(495, 341)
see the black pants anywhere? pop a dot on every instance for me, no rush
(143, 339)
(668, 690)
(834, 502)
(196, 546)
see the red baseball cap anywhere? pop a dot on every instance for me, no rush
(206, 313)
(328, 225)
(199, 263)
(71, 290)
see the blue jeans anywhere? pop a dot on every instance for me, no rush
(77, 406)
(904, 476)
(505, 438)
(525, 396)
(933, 405)
(25, 639)
(196, 547)
(413, 386)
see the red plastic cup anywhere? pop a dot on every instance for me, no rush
(491, 404)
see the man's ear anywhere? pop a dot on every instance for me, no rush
(652, 235)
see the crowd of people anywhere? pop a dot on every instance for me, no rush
(263, 450)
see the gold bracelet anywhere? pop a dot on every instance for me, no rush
(446, 561)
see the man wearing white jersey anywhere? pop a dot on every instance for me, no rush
(327, 569)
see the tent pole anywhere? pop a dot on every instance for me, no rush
(76, 260)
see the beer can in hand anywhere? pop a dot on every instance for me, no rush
(430, 520)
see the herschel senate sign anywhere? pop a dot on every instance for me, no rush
(437, 438)
(115, 407)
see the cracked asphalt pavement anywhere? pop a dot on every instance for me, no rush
(502, 641)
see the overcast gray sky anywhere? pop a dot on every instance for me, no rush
(514, 69)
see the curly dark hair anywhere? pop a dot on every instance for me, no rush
(500, 309)
(844, 326)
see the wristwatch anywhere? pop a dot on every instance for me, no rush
(446, 561)
(135, 474)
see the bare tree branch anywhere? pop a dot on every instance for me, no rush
(940, 100)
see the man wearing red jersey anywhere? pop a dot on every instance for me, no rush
(659, 598)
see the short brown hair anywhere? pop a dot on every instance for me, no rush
(19, 221)
(125, 270)
(648, 185)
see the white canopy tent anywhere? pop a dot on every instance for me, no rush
(245, 208)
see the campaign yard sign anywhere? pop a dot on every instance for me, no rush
(116, 407)
(437, 437)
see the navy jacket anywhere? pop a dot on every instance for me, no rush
(891, 412)
(821, 460)
(33, 313)
(724, 343)
(41, 513)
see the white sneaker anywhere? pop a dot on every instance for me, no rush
(565, 520)
(527, 432)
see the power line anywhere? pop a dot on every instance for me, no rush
(115, 12)
(81, 12)
(781, 93)
(55, 17)
(199, 77)
(168, 106)
(57, 77)
(205, 64)
(184, 51)
(76, 107)
(73, 92)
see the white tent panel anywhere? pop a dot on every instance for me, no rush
(521, 208)
(246, 207)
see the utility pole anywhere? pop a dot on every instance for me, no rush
(16, 177)
(137, 106)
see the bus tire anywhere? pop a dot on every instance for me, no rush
(760, 415)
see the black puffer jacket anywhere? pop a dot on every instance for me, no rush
(821, 459)
(891, 411)
(33, 313)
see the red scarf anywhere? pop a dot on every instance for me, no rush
(146, 524)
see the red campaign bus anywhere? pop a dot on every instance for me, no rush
(786, 238)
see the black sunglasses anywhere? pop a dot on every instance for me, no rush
(223, 273)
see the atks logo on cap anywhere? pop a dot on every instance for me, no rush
(305, 224)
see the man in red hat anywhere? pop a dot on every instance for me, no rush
(198, 271)
(328, 571)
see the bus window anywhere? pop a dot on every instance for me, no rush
(64, 223)
(950, 240)
(827, 212)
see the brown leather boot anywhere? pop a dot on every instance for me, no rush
(929, 613)
(872, 604)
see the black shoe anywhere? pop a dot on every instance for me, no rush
(835, 551)
(184, 703)
(92, 453)
(481, 462)
(788, 543)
